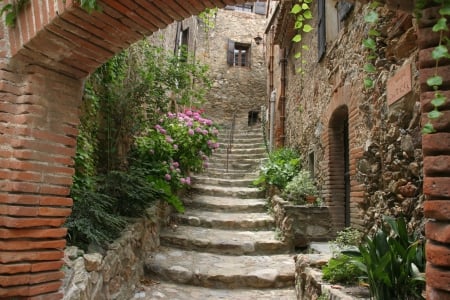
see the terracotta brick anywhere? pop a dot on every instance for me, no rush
(48, 291)
(26, 154)
(438, 255)
(33, 233)
(46, 266)
(436, 144)
(20, 245)
(427, 61)
(19, 199)
(438, 278)
(20, 176)
(442, 124)
(426, 38)
(427, 97)
(437, 209)
(52, 296)
(15, 268)
(55, 190)
(56, 201)
(44, 288)
(21, 222)
(436, 294)
(23, 279)
(15, 256)
(436, 187)
(438, 231)
(426, 73)
(54, 212)
(15, 210)
(436, 165)
(58, 180)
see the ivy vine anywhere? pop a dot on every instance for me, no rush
(302, 13)
(439, 52)
(208, 17)
(370, 43)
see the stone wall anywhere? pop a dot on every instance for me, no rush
(301, 224)
(115, 272)
(384, 140)
(240, 89)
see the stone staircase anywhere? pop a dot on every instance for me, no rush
(224, 245)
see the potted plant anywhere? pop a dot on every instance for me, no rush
(301, 189)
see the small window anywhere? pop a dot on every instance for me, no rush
(238, 54)
(311, 163)
(253, 118)
(244, 7)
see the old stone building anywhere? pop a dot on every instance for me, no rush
(362, 145)
(229, 42)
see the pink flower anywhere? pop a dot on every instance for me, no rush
(167, 177)
(188, 180)
(169, 139)
(205, 164)
(205, 132)
(189, 113)
(208, 122)
(191, 132)
(183, 181)
(175, 164)
(198, 130)
(175, 146)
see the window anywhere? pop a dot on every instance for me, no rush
(252, 7)
(238, 54)
(331, 13)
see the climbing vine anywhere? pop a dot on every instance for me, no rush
(208, 17)
(370, 44)
(440, 52)
(302, 13)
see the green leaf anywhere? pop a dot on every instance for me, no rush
(308, 15)
(307, 1)
(445, 11)
(10, 18)
(307, 28)
(305, 6)
(371, 17)
(428, 128)
(438, 100)
(369, 43)
(434, 81)
(374, 4)
(296, 9)
(297, 38)
(434, 114)
(441, 25)
(297, 55)
(368, 83)
(305, 47)
(7, 7)
(369, 68)
(439, 52)
(298, 24)
(373, 32)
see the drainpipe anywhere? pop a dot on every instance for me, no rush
(273, 92)
(283, 62)
(273, 97)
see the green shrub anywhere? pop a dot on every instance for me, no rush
(299, 187)
(282, 165)
(393, 262)
(342, 269)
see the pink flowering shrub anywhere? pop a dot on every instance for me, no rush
(177, 146)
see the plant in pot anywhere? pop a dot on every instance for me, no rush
(301, 190)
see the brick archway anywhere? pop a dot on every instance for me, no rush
(43, 62)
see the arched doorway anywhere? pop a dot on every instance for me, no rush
(339, 168)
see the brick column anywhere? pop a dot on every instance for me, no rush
(436, 151)
(38, 119)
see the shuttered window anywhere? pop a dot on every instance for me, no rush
(260, 8)
(238, 54)
(343, 9)
(321, 34)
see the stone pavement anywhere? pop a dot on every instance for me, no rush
(224, 245)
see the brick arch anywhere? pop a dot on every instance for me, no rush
(44, 60)
(339, 143)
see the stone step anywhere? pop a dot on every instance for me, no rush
(171, 291)
(241, 135)
(244, 140)
(240, 182)
(226, 204)
(257, 145)
(214, 170)
(218, 220)
(239, 192)
(240, 151)
(232, 165)
(231, 174)
(238, 157)
(221, 271)
(221, 241)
